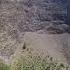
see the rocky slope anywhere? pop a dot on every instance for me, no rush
(20, 16)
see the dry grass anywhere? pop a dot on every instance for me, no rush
(37, 62)
(28, 61)
(4, 66)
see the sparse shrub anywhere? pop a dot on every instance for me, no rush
(34, 62)
(37, 62)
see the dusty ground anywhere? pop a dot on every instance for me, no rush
(57, 46)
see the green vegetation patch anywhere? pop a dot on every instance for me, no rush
(37, 62)
(34, 62)
(4, 66)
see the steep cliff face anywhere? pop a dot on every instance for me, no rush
(68, 12)
(32, 15)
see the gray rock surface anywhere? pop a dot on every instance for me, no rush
(20, 16)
